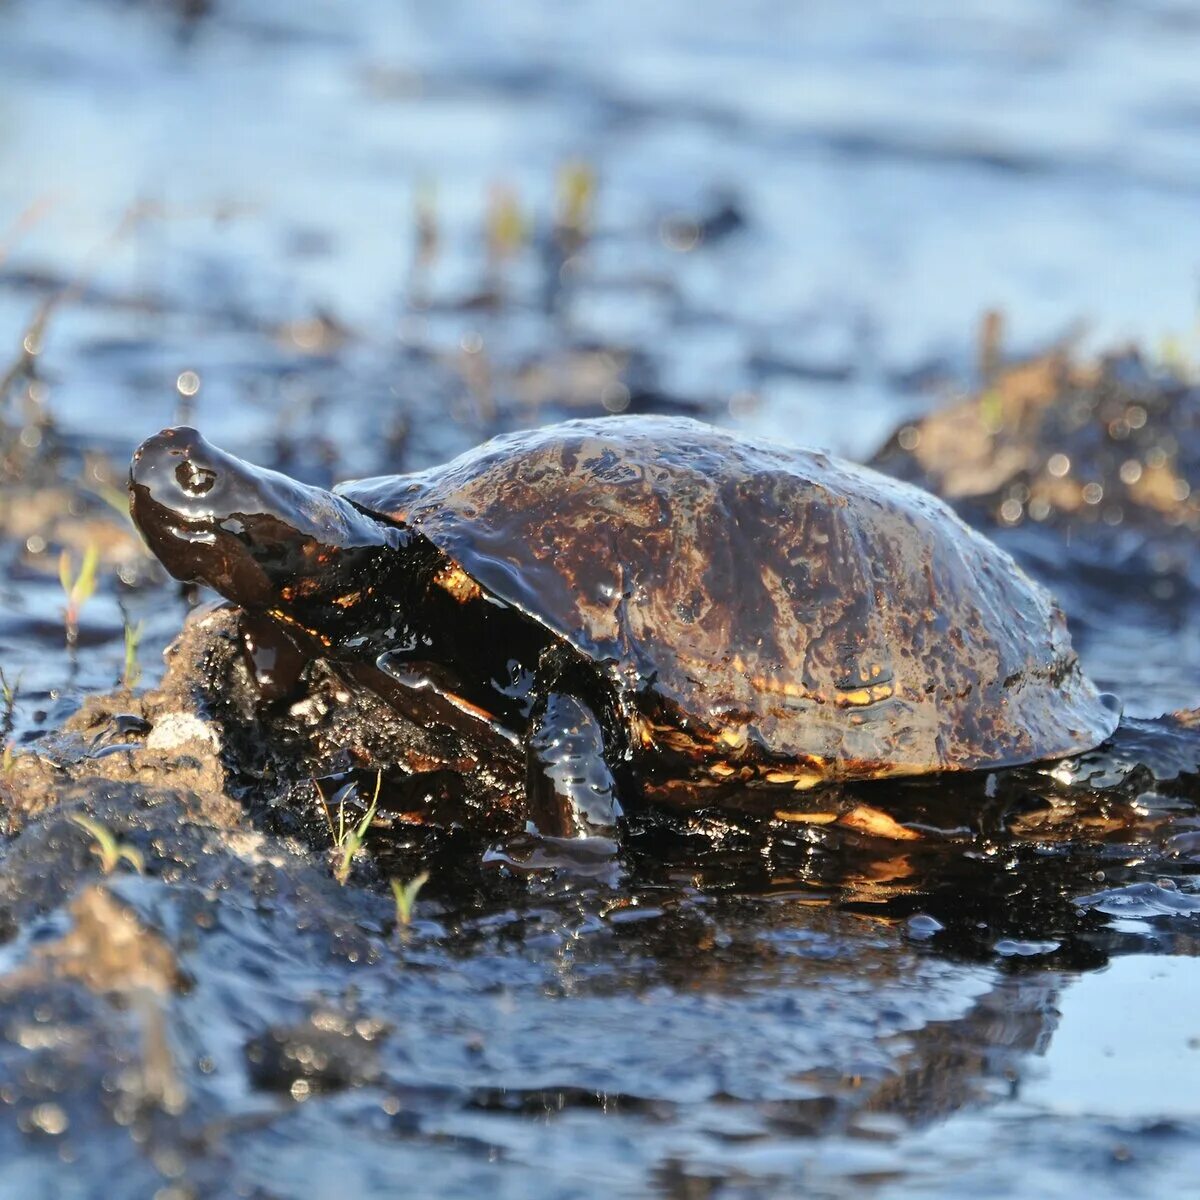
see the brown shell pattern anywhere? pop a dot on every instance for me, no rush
(771, 597)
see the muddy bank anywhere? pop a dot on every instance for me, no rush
(213, 1003)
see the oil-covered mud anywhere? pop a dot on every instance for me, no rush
(282, 226)
(752, 1003)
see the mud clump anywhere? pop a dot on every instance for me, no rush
(208, 734)
(1062, 442)
(110, 952)
(140, 899)
(163, 739)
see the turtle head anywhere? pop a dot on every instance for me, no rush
(254, 535)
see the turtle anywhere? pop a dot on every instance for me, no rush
(645, 605)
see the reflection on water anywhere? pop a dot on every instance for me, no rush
(1122, 1051)
(371, 236)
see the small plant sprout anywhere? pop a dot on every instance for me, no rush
(132, 674)
(8, 696)
(425, 221)
(8, 760)
(405, 895)
(116, 498)
(991, 410)
(576, 197)
(110, 851)
(505, 225)
(1173, 357)
(350, 838)
(78, 589)
(325, 810)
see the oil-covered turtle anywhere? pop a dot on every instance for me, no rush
(645, 603)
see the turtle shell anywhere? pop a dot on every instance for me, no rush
(765, 597)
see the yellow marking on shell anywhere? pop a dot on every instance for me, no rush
(783, 687)
(464, 705)
(288, 619)
(806, 818)
(458, 583)
(801, 781)
(734, 736)
(797, 691)
(348, 600)
(722, 769)
(865, 695)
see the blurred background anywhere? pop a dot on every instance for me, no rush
(790, 215)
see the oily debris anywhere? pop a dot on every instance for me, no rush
(289, 992)
(1063, 442)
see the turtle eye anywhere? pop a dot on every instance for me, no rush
(194, 480)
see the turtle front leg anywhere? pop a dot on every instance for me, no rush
(571, 790)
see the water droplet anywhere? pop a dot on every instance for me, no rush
(615, 397)
(1131, 471)
(49, 1118)
(1022, 948)
(922, 926)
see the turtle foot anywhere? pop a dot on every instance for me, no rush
(571, 791)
